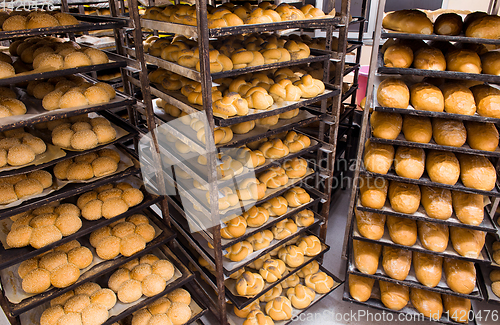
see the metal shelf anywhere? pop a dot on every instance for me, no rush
(433, 37)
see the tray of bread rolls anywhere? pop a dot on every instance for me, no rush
(486, 225)
(423, 271)
(492, 246)
(483, 77)
(84, 23)
(19, 301)
(282, 302)
(10, 255)
(407, 95)
(127, 132)
(490, 282)
(367, 292)
(477, 254)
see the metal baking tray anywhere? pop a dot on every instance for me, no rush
(484, 274)
(348, 109)
(375, 302)
(348, 93)
(490, 239)
(411, 111)
(234, 320)
(70, 190)
(434, 73)
(401, 141)
(13, 256)
(87, 23)
(411, 280)
(386, 33)
(425, 180)
(487, 225)
(192, 31)
(114, 119)
(449, 252)
(98, 270)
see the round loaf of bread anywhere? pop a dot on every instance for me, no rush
(428, 268)
(409, 162)
(64, 275)
(427, 302)
(460, 275)
(442, 167)
(404, 197)
(469, 208)
(482, 136)
(373, 192)
(449, 132)
(477, 172)
(463, 60)
(369, 224)
(43, 236)
(437, 202)
(398, 56)
(394, 296)
(408, 21)
(487, 100)
(396, 262)
(386, 125)
(360, 287)
(426, 97)
(417, 129)
(393, 93)
(429, 58)
(366, 256)
(433, 236)
(402, 231)
(108, 247)
(37, 281)
(458, 99)
(467, 242)
(80, 256)
(378, 157)
(448, 24)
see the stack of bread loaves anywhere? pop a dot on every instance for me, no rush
(94, 164)
(88, 304)
(82, 132)
(145, 276)
(45, 225)
(173, 308)
(37, 19)
(59, 267)
(22, 186)
(109, 201)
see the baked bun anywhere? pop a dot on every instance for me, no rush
(236, 227)
(477, 172)
(442, 167)
(393, 296)
(428, 268)
(279, 309)
(458, 99)
(409, 162)
(283, 229)
(460, 275)
(386, 125)
(404, 197)
(398, 56)
(449, 132)
(463, 60)
(427, 302)
(396, 262)
(370, 225)
(482, 136)
(239, 251)
(366, 256)
(272, 270)
(249, 284)
(467, 242)
(304, 218)
(408, 21)
(373, 192)
(487, 100)
(276, 206)
(402, 231)
(457, 307)
(292, 255)
(296, 197)
(378, 157)
(448, 24)
(360, 287)
(393, 93)
(427, 97)
(433, 236)
(417, 128)
(437, 202)
(468, 208)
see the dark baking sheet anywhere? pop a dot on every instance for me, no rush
(487, 225)
(442, 287)
(114, 119)
(98, 270)
(490, 239)
(476, 117)
(417, 247)
(484, 274)
(425, 180)
(401, 141)
(375, 302)
(386, 33)
(13, 256)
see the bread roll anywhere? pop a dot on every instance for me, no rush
(429, 58)
(487, 100)
(448, 24)
(469, 208)
(378, 157)
(477, 172)
(449, 132)
(396, 262)
(373, 192)
(360, 287)
(442, 167)
(394, 296)
(404, 197)
(467, 242)
(460, 275)
(409, 162)
(370, 225)
(490, 62)
(386, 125)
(458, 99)
(427, 302)
(485, 27)
(436, 202)
(417, 129)
(428, 268)
(366, 256)
(408, 21)
(457, 307)
(402, 231)
(398, 56)
(462, 60)
(393, 93)
(482, 136)
(433, 236)
(471, 17)
(426, 97)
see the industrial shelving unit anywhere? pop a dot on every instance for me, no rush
(484, 261)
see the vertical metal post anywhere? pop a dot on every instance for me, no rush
(206, 89)
(364, 125)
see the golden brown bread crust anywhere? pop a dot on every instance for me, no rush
(408, 21)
